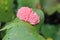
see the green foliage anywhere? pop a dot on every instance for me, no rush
(57, 35)
(21, 30)
(40, 13)
(58, 8)
(48, 30)
(28, 3)
(6, 10)
(50, 6)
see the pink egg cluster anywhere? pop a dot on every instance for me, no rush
(27, 14)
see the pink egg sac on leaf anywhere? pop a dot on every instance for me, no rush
(27, 14)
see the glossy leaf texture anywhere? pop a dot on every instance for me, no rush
(6, 10)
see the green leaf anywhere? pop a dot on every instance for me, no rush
(6, 10)
(21, 30)
(48, 30)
